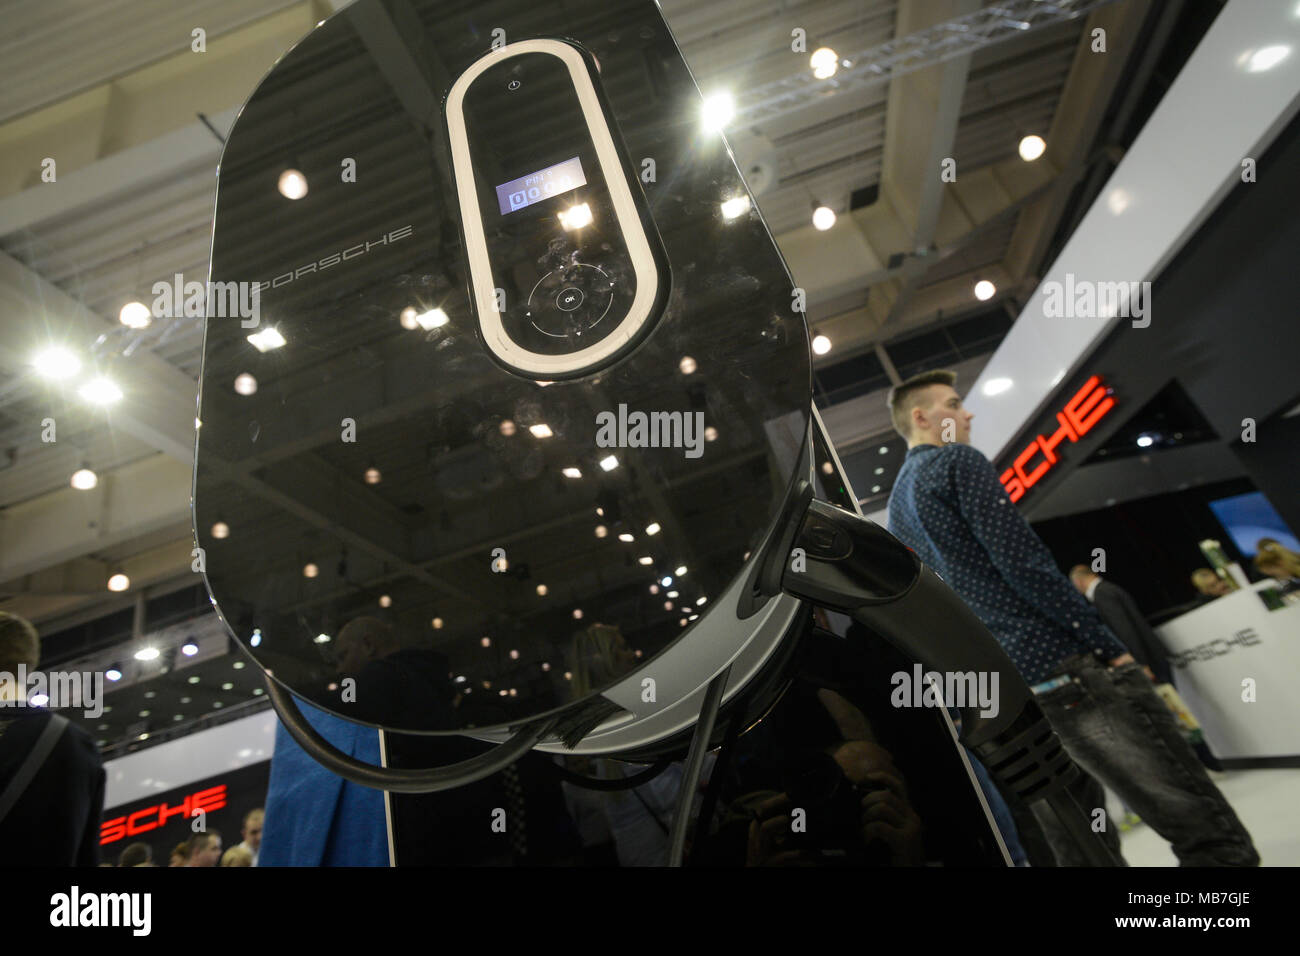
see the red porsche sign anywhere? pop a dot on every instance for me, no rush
(1088, 406)
(152, 817)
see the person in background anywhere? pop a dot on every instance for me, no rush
(1209, 584)
(137, 854)
(1275, 553)
(252, 834)
(51, 773)
(204, 849)
(949, 506)
(237, 855)
(180, 853)
(1121, 614)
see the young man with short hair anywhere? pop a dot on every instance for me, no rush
(949, 507)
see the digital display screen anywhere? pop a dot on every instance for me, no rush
(540, 185)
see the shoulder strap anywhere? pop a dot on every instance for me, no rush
(30, 766)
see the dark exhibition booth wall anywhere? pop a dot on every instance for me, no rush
(1222, 347)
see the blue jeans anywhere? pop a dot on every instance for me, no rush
(1118, 730)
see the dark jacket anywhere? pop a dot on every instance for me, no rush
(56, 820)
(1122, 615)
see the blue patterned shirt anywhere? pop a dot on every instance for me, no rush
(948, 506)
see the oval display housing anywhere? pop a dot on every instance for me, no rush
(564, 274)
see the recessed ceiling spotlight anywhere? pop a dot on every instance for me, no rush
(824, 63)
(823, 218)
(1031, 147)
(56, 363)
(719, 109)
(135, 315)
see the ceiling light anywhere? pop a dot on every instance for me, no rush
(514, 655)
(996, 386)
(719, 109)
(56, 363)
(486, 642)
(577, 614)
(245, 384)
(646, 559)
(668, 605)
(292, 184)
(238, 665)
(652, 528)
(269, 338)
(434, 318)
(83, 479)
(666, 580)
(135, 315)
(572, 473)
(821, 344)
(101, 391)
(733, 208)
(437, 624)
(681, 570)
(507, 427)
(310, 571)
(541, 590)
(113, 674)
(119, 582)
(385, 601)
(626, 537)
(601, 531)
(575, 217)
(699, 602)
(147, 654)
(541, 431)
(824, 62)
(672, 594)
(1031, 147)
(823, 217)
(253, 641)
(407, 318)
(546, 665)
(984, 290)
(221, 530)
(227, 686)
(373, 476)
(875, 489)
(609, 463)
(1145, 441)
(654, 589)
(884, 449)
(710, 433)
(189, 648)
(687, 365)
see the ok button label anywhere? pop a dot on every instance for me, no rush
(569, 299)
